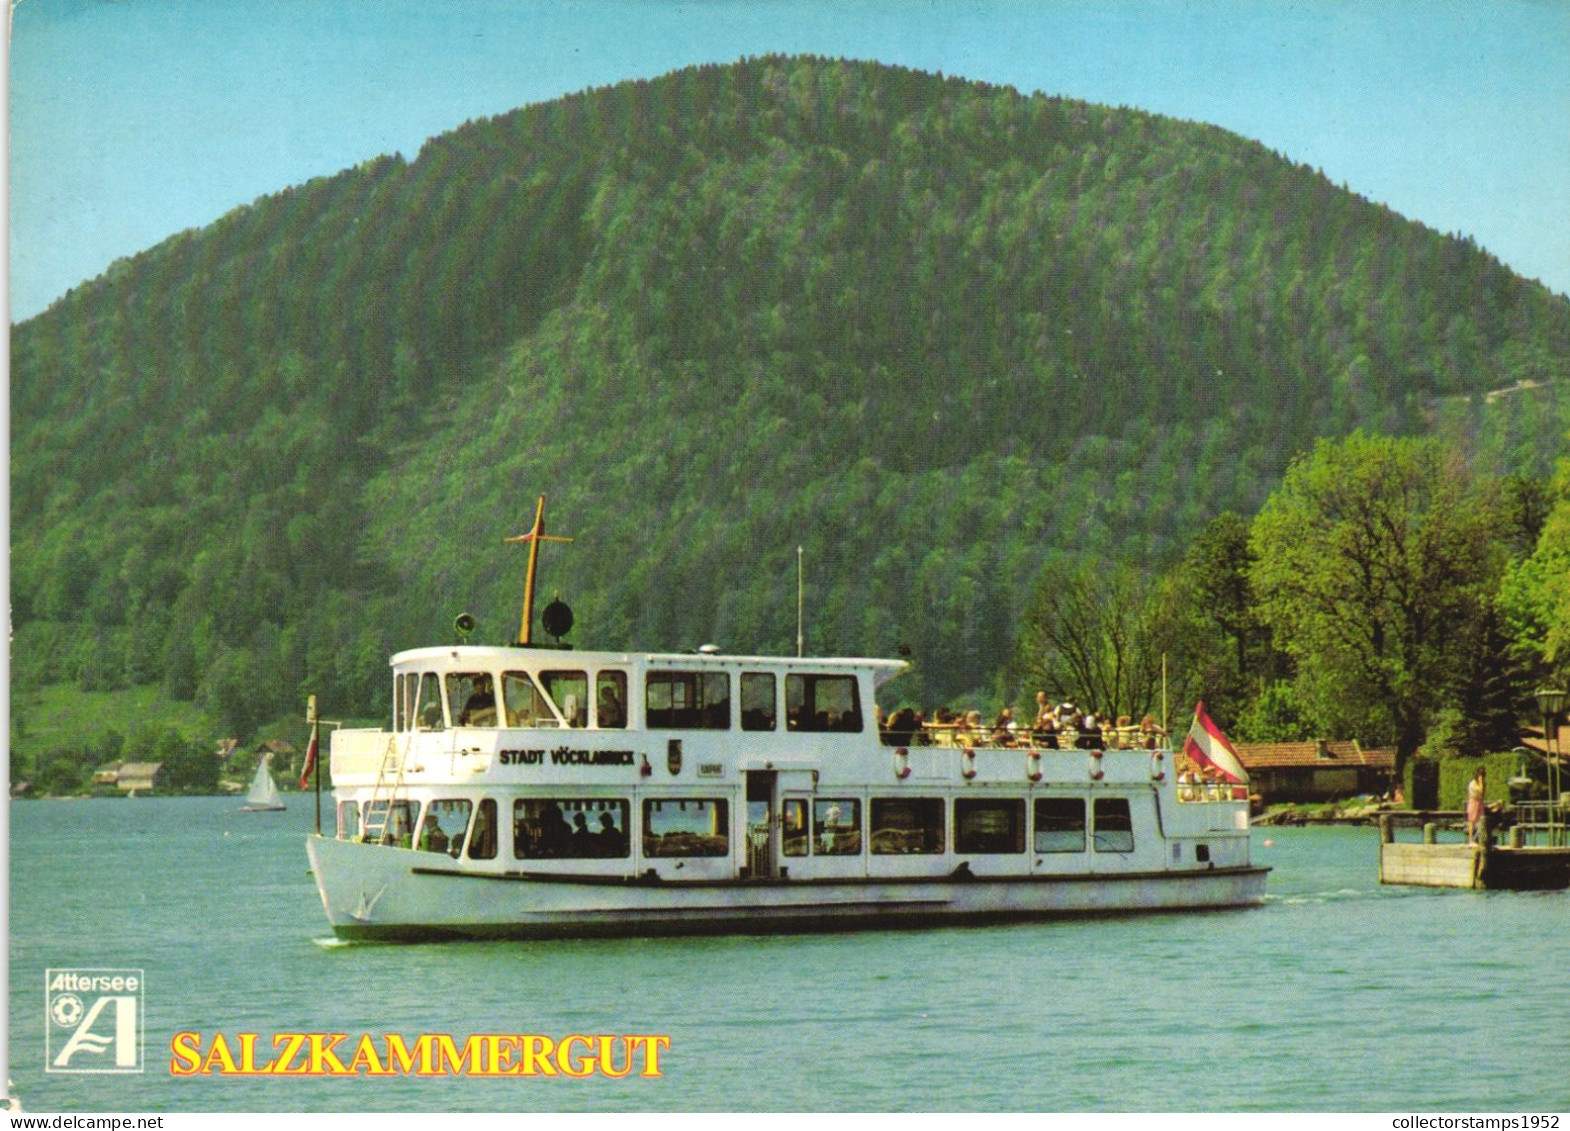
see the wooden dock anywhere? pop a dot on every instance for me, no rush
(1513, 867)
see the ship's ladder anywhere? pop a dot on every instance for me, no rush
(389, 784)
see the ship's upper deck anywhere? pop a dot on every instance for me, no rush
(522, 687)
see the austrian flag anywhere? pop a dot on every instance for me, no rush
(310, 756)
(1207, 746)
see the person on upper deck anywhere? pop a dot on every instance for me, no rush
(901, 727)
(1004, 727)
(1044, 730)
(1089, 732)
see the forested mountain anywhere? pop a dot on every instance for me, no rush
(934, 332)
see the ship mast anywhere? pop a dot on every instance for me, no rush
(534, 537)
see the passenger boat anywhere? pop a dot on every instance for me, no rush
(532, 790)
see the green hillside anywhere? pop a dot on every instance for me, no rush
(936, 333)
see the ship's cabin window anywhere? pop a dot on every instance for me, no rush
(687, 700)
(418, 703)
(793, 826)
(1114, 827)
(569, 828)
(610, 700)
(396, 822)
(907, 825)
(686, 827)
(822, 703)
(472, 697)
(1060, 824)
(523, 702)
(482, 838)
(986, 825)
(836, 826)
(404, 686)
(570, 692)
(759, 709)
(348, 820)
(444, 826)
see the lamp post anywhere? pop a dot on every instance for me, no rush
(1551, 702)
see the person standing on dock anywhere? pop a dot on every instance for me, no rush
(1474, 805)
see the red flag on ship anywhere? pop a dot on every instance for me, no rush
(1207, 746)
(310, 756)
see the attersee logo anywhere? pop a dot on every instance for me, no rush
(94, 1020)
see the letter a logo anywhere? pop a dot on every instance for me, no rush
(105, 1029)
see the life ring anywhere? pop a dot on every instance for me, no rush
(967, 763)
(1157, 771)
(1096, 770)
(902, 763)
(1033, 765)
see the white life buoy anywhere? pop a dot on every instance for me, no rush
(1033, 765)
(902, 763)
(967, 763)
(1096, 771)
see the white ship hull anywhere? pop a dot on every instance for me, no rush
(381, 892)
(529, 792)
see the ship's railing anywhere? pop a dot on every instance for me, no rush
(961, 735)
(1202, 790)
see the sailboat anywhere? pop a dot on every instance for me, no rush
(263, 796)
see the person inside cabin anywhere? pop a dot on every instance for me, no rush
(432, 839)
(479, 709)
(1475, 789)
(583, 841)
(612, 842)
(611, 714)
(482, 846)
(555, 832)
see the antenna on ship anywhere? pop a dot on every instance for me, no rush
(534, 537)
(800, 638)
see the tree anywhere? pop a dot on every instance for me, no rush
(1098, 635)
(1376, 566)
(1231, 654)
(191, 767)
(1535, 594)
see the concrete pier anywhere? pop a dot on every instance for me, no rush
(1431, 865)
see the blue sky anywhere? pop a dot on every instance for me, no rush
(134, 119)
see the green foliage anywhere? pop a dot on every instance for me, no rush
(1376, 570)
(191, 767)
(1536, 591)
(92, 729)
(1455, 773)
(1098, 635)
(934, 332)
(1274, 715)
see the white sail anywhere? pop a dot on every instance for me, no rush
(264, 793)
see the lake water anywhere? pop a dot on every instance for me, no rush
(1338, 994)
